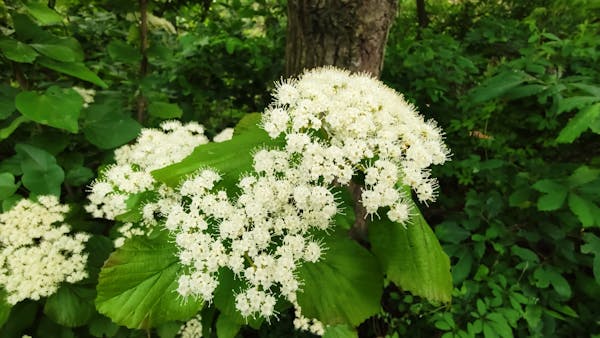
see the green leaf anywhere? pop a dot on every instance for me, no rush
(4, 307)
(347, 274)
(22, 316)
(137, 287)
(101, 327)
(122, 52)
(224, 298)
(43, 14)
(7, 100)
(78, 176)
(554, 197)
(499, 324)
(14, 124)
(106, 125)
(75, 69)
(570, 103)
(227, 327)
(592, 246)
(71, 306)
(497, 86)
(524, 91)
(593, 90)
(232, 158)
(548, 275)
(56, 52)
(451, 232)
(41, 174)
(7, 185)
(340, 331)
(17, 51)
(26, 29)
(586, 211)
(164, 110)
(583, 175)
(583, 120)
(56, 107)
(412, 257)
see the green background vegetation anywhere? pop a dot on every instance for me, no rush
(514, 84)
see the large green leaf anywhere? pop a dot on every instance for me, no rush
(42, 13)
(106, 125)
(75, 69)
(71, 305)
(164, 110)
(227, 327)
(344, 287)
(17, 51)
(7, 185)
(412, 257)
(340, 331)
(56, 107)
(498, 85)
(137, 287)
(231, 158)
(41, 174)
(584, 119)
(56, 52)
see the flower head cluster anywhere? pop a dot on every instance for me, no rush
(37, 252)
(192, 328)
(342, 122)
(154, 149)
(262, 236)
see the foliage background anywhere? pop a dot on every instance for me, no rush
(515, 86)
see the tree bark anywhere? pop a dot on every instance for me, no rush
(349, 34)
(422, 14)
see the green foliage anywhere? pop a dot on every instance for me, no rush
(514, 84)
(347, 275)
(233, 157)
(412, 257)
(519, 203)
(137, 285)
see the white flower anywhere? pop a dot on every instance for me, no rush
(192, 328)
(225, 135)
(361, 119)
(131, 174)
(37, 252)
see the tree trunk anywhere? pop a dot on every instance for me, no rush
(422, 14)
(349, 34)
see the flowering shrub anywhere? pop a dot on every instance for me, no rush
(270, 216)
(37, 252)
(254, 224)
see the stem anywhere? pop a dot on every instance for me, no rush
(360, 228)
(141, 100)
(19, 76)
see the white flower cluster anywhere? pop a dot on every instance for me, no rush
(37, 252)
(262, 236)
(192, 328)
(154, 149)
(364, 121)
